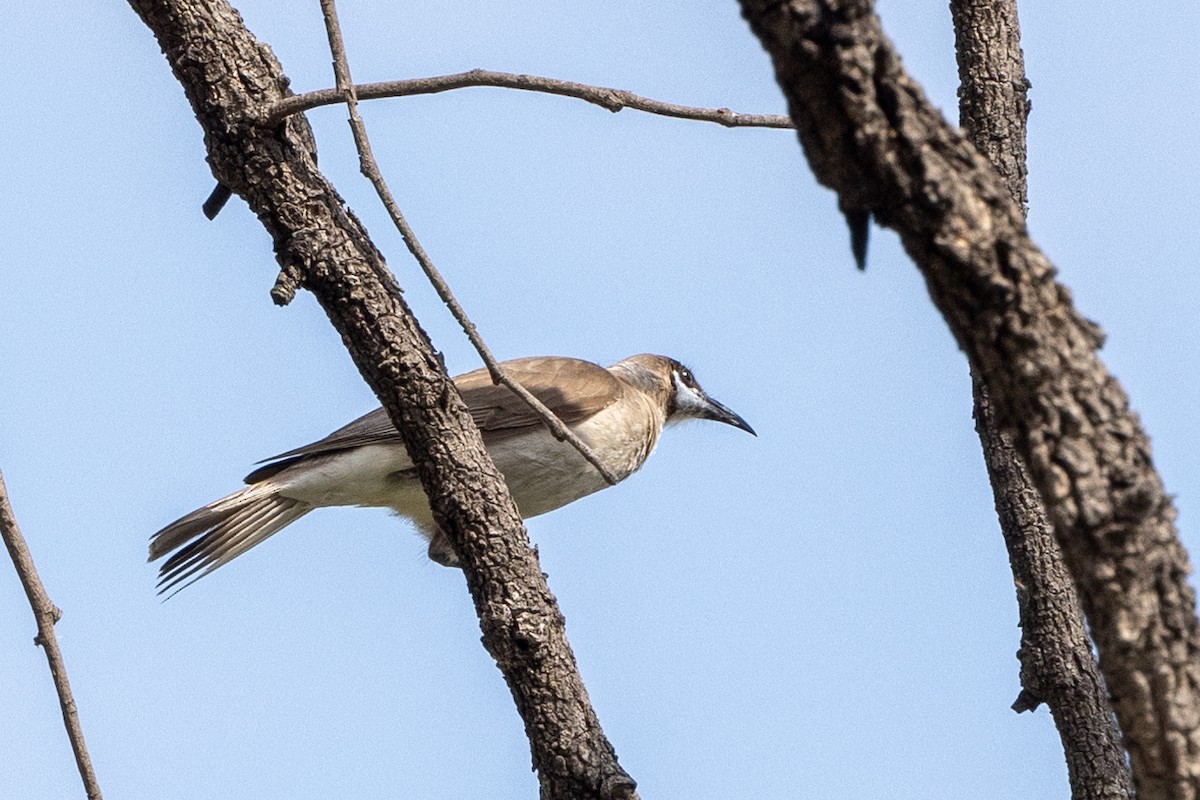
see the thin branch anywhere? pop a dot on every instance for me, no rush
(993, 99)
(612, 99)
(1057, 665)
(47, 614)
(347, 93)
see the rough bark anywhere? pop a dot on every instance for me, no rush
(870, 134)
(231, 80)
(993, 105)
(1057, 665)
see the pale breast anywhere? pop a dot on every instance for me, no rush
(544, 474)
(541, 472)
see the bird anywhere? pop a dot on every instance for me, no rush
(619, 411)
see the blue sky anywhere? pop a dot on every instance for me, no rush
(824, 611)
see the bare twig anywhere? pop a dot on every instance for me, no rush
(347, 93)
(46, 615)
(612, 99)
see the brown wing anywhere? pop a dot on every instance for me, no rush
(571, 388)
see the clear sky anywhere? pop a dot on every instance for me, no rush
(825, 611)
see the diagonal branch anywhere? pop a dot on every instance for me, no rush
(871, 135)
(230, 79)
(47, 615)
(612, 99)
(370, 169)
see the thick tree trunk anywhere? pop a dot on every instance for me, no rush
(231, 80)
(870, 134)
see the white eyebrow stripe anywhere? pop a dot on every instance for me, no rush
(688, 399)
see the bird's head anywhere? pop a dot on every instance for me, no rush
(681, 393)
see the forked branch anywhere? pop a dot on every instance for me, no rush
(1057, 665)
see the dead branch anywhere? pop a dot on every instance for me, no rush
(612, 99)
(46, 614)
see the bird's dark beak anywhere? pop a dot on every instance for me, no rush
(718, 412)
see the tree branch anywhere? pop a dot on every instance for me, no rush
(993, 105)
(1057, 665)
(612, 99)
(231, 80)
(47, 615)
(870, 134)
(370, 170)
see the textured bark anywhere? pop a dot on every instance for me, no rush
(992, 103)
(870, 134)
(232, 80)
(1057, 665)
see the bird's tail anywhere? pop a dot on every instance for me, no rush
(220, 531)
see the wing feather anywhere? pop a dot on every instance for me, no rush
(572, 388)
